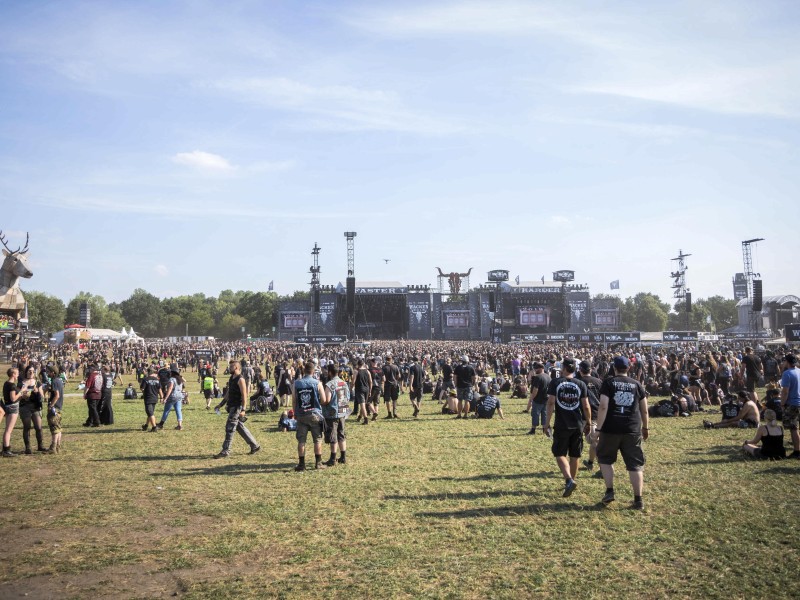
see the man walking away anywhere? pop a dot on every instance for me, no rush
(335, 408)
(307, 394)
(568, 398)
(622, 422)
(415, 378)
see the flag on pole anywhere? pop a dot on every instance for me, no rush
(542, 279)
(269, 289)
(615, 285)
(517, 280)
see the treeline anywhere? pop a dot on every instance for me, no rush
(225, 315)
(222, 316)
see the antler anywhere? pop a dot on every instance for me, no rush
(440, 271)
(27, 238)
(5, 242)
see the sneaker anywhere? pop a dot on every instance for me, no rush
(160, 425)
(569, 487)
(222, 454)
(331, 462)
(366, 422)
(321, 465)
(154, 429)
(707, 424)
(299, 468)
(28, 450)
(795, 454)
(589, 464)
(341, 461)
(598, 475)
(395, 416)
(51, 451)
(637, 505)
(255, 449)
(374, 416)
(144, 427)
(8, 453)
(179, 427)
(532, 431)
(458, 416)
(416, 412)
(608, 498)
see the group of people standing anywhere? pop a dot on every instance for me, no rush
(25, 398)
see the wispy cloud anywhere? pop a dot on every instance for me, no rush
(634, 54)
(161, 270)
(335, 107)
(204, 161)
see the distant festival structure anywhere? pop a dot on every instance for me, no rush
(12, 302)
(390, 310)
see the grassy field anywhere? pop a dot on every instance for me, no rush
(432, 507)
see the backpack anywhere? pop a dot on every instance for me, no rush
(665, 408)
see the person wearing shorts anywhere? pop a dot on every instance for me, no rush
(622, 421)
(307, 394)
(377, 386)
(335, 407)
(363, 388)
(151, 393)
(54, 405)
(567, 397)
(391, 387)
(10, 409)
(415, 378)
(465, 378)
(790, 400)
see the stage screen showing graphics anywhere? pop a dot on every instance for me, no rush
(294, 320)
(457, 318)
(534, 316)
(604, 318)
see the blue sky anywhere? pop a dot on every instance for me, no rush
(196, 146)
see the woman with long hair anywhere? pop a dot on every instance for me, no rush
(30, 409)
(174, 398)
(10, 409)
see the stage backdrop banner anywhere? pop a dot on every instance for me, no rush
(534, 316)
(294, 320)
(456, 318)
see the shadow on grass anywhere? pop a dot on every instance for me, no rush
(511, 511)
(230, 469)
(163, 458)
(493, 476)
(783, 469)
(101, 429)
(460, 495)
(723, 450)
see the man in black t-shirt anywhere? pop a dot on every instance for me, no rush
(465, 378)
(622, 422)
(447, 376)
(377, 386)
(537, 404)
(567, 397)
(751, 370)
(415, 378)
(488, 404)
(391, 387)
(151, 393)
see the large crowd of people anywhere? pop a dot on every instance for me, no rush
(575, 394)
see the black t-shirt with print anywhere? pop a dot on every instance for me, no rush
(624, 394)
(568, 409)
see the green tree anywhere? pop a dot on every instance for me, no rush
(230, 328)
(99, 317)
(259, 309)
(144, 312)
(651, 313)
(45, 312)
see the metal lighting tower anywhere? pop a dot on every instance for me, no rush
(747, 257)
(679, 282)
(351, 284)
(315, 269)
(351, 252)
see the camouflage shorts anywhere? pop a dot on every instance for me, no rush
(54, 421)
(791, 417)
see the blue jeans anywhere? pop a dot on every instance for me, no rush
(538, 413)
(170, 404)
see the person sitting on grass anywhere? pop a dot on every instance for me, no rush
(771, 437)
(747, 416)
(287, 422)
(130, 393)
(487, 404)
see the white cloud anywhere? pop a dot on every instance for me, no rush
(204, 161)
(559, 220)
(161, 270)
(335, 107)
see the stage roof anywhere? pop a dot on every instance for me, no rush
(377, 284)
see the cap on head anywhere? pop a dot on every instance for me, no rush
(620, 362)
(495, 388)
(465, 358)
